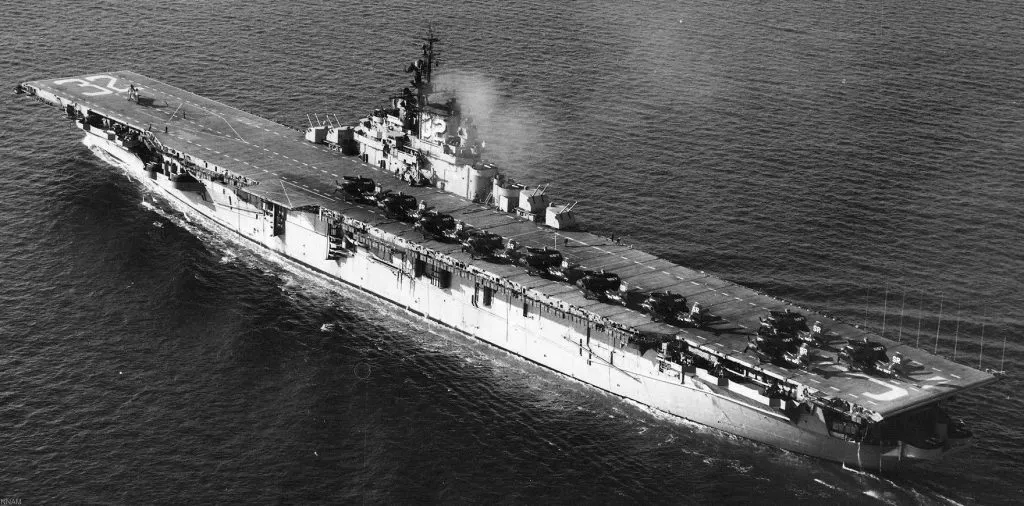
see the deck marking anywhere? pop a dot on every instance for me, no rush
(894, 392)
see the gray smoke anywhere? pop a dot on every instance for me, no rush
(511, 131)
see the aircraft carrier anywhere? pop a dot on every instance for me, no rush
(404, 206)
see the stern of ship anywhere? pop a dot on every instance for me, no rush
(924, 434)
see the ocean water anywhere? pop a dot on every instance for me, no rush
(861, 158)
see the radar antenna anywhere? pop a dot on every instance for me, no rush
(429, 54)
(423, 67)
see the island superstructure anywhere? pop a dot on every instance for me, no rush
(404, 206)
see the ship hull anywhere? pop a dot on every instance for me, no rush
(542, 338)
(113, 154)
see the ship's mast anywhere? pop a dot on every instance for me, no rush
(428, 53)
(422, 69)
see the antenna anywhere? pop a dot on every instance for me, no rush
(309, 120)
(422, 77)
(1002, 361)
(956, 333)
(938, 325)
(902, 305)
(982, 349)
(429, 53)
(885, 306)
(828, 301)
(867, 295)
(920, 313)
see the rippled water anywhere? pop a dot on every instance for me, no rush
(862, 158)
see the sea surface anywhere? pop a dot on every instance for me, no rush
(863, 158)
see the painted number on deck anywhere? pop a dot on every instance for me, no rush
(894, 392)
(89, 82)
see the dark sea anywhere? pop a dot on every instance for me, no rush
(863, 158)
